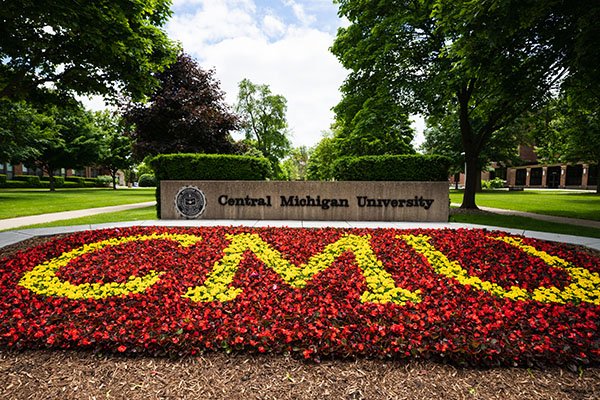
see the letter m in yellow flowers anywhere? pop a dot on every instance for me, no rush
(381, 285)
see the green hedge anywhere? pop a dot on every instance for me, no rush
(79, 180)
(2, 179)
(59, 181)
(210, 167)
(147, 180)
(31, 180)
(413, 167)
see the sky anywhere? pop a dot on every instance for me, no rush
(281, 43)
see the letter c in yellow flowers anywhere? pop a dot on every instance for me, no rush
(43, 280)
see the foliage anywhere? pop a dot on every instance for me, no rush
(322, 158)
(92, 47)
(187, 114)
(147, 180)
(294, 167)
(103, 181)
(449, 58)
(415, 167)
(496, 183)
(263, 121)
(74, 140)
(370, 121)
(468, 296)
(209, 167)
(79, 180)
(2, 179)
(21, 126)
(116, 145)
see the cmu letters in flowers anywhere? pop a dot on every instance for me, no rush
(470, 296)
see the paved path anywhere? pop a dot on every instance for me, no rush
(12, 223)
(542, 217)
(16, 235)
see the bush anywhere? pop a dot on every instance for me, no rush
(31, 180)
(103, 181)
(79, 180)
(59, 181)
(147, 180)
(12, 184)
(91, 182)
(414, 167)
(2, 179)
(207, 167)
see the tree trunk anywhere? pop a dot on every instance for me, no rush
(114, 178)
(597, 177)
(470, 184)
(52, 182)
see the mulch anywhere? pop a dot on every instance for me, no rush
(45, 374)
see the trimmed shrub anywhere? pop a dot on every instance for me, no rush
(90, 182)
(147, 180)
(59, 181)
(413, 167)
(209, 167)
(12, 184)
(32, 180)
(79, 180)
(2, 179)
(103, 181)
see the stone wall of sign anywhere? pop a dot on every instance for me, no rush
(309, 200)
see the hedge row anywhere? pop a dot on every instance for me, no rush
(210, 167)
(33, 181)
(414, 167)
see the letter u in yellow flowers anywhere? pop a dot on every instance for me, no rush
(43, 280)
(381, 285)
(584, 287)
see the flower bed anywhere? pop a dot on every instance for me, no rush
(470, 296)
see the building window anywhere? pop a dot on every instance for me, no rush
(574, 175)
(521, 177)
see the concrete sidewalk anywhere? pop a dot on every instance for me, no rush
(12, 223)
(15, 236)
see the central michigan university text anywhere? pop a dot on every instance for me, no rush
(325, 203)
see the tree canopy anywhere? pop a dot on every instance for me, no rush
(186, 114)
(483, 62)
(71, 140)
(87, 47)
(115, 152)
(263, 120)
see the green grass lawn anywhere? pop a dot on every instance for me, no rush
(559, 203)
(524, 223)
(138, 214)
(23, 202)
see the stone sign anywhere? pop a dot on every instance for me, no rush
(308, 200)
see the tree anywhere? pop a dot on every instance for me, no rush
(263, 121)
(187, 114)
(73, 140)
(294, 167)
(443, 136)
(450, 58)
(370, 121)
(322, 157)
(87, 47)
(116, 145)
(21, 127)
